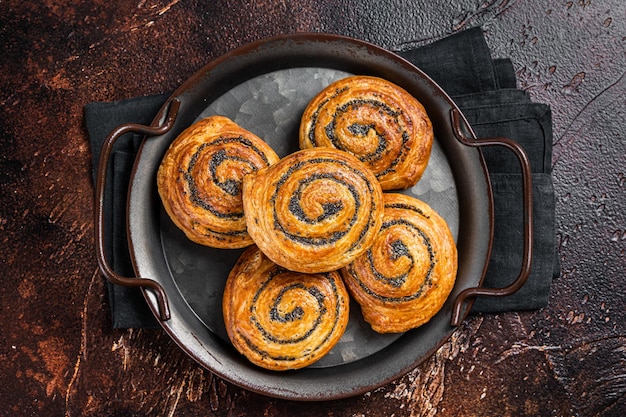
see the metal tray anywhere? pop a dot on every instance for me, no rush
(264, 87)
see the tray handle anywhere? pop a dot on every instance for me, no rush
(457, 315)
(153, 130)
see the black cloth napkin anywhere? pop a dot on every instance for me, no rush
(484, 89)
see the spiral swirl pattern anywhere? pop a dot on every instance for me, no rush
(314, 211)
(375, 120)
(404, 278)
(200, 180)
(281, 319)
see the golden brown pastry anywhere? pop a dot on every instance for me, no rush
(281, 319)
(199, 180)
(403, 280)
(375, 120)
(313, 211)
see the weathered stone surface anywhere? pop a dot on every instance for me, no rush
(60, 356)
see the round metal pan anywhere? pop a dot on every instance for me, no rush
(263, 87)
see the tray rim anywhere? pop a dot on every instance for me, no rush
(266, 382)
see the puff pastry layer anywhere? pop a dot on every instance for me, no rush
(281, 319)
(313, 211)
(200, 179)
(375, 120)
(405, 277)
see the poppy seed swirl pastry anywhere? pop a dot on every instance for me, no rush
(313, 211)
(199, 180)
(405, 277)
(375, 120)
(281, 319)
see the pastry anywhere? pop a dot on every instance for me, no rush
(199, 180)
(405, 277)
(313, 211)
(375, 120)
(281, 319)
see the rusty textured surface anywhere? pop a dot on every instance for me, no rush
(60, 356)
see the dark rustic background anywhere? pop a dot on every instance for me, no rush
(58, 353)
